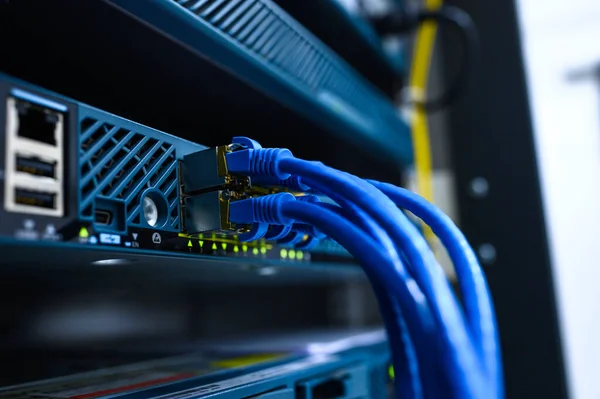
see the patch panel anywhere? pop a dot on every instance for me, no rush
(75, 174)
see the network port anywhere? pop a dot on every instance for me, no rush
(102, 217)
(35, 166)
(37, 123)
(37, 199)
(35, 137)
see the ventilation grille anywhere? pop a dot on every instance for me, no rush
(119, 164)
(270, 35)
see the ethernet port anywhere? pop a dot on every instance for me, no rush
(327, 388)
(37, 123)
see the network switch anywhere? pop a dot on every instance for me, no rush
(77, 175)
(350, 365)
(259, 42)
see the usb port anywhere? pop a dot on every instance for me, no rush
(35, 166)
(102, 217)
(38, 199)
(37, 123)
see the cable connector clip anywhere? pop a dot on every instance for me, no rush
(253, 160)
(260, 212)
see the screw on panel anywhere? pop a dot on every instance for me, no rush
(487, 253)
(479, 187)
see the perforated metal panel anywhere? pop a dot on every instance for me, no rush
(119, 163)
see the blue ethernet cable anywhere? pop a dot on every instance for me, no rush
(293, 183)
(344, 232)
(472, 282)
(473, 285)
(460, 353)
(403, 352)
(358, 217)
(323, 221)
(407, 378)
(380, 270)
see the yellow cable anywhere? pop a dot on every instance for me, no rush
(424, 45)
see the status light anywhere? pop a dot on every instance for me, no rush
(83, 233)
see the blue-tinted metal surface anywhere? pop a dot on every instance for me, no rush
(120, 159)
(344, 28)
(231, 374)
(263, 46)
(66, 260)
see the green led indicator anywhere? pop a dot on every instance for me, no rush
(292, 254)
(255, 251)
(190, 243)
(283, 253)
(263, 250)
(299, 255)
(214, 247)
(245, 248)
(214, 235)
(391, 372)
(201, 236)
(201, 243)
(236, 249)
(83, 233)
(224, 246)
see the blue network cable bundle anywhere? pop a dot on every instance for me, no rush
(438, 349)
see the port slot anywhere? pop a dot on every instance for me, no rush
(36, 131)
(326, 388)
(102, 217)
(38, 199)
(35, 166)
(37, 123)
(332, 389)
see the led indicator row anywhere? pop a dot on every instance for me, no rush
(291, 254)
(256, 248)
